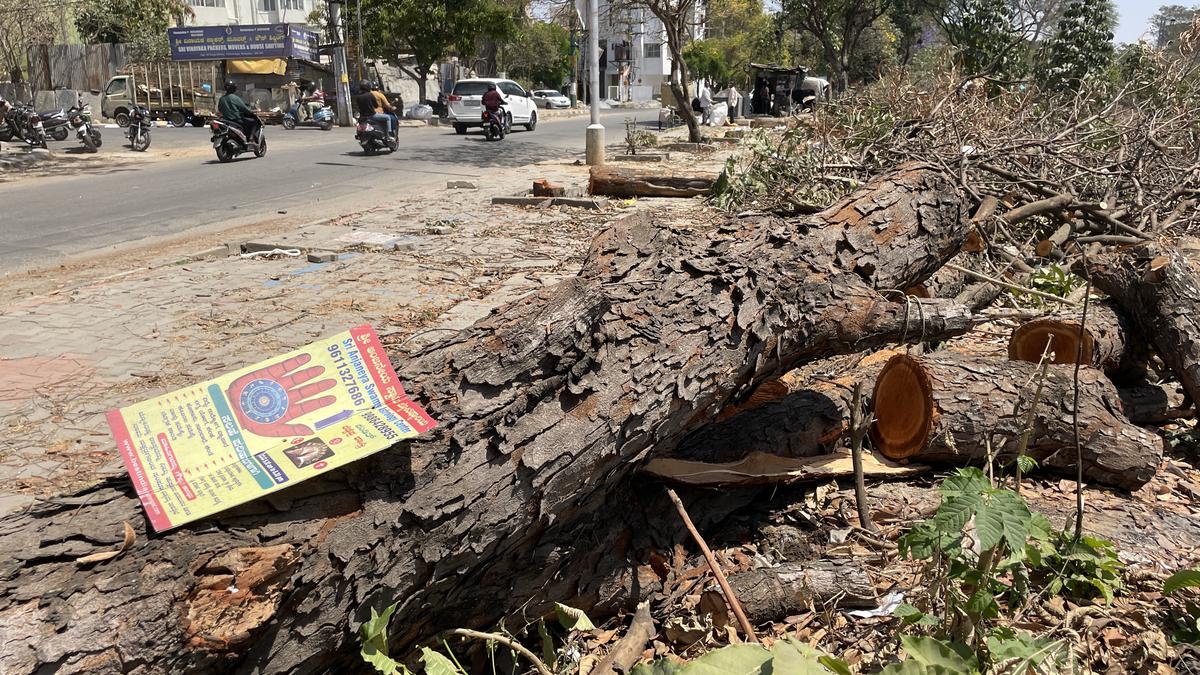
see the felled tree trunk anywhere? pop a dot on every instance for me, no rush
(1109, 341)
(1158, 287)
(625, 183)
(546, 407)
(1146, 403)
(948, 408)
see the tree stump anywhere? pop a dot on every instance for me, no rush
(1109, 342)
(949, 407)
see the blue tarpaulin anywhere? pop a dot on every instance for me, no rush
(265, 41)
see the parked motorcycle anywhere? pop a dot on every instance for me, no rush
(56, 123)
(139, 129)
(80, 118)
(494, 125)
(229, 140)
(372, 137)
(322, 118)
(25, 124)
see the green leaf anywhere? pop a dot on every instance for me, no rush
(437, 664)
(982, 604)
(731, 660)
(789, 657)
(572, 619)
(967, 481)
(548, 652)
(1182, 579)
(910, 615)
(1003, 517)
(372, 635)
(1026, 463)
(929, 651)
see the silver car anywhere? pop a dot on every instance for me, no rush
(549, 98)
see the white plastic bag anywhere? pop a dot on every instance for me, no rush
(720, 112)
(420, 111)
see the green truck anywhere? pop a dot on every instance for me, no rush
(178, 92)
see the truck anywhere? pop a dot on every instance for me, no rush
(171, 90)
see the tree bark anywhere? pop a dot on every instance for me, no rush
(546, 407)
(1157, 286)
(1146, 403)
(1109, 341)
(772, 593)
(626, 183)
(949, 407)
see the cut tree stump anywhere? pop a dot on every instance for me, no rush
(1109, 341)
(947, 408)
(546, 408)
(626, 183)
(772, 593)
(1158, 287)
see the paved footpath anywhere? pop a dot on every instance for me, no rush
(68, 356)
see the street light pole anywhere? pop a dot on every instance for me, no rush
(594, 148)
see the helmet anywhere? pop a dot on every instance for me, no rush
(230, 87)
(364, 86)
(375, 86)
(491, 86)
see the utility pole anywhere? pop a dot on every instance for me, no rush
(339, 62)
(362, 61)
(594, 146)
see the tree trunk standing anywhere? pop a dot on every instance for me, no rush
(949, 407)
(676, 20)
(547, 407)
(1159, 288)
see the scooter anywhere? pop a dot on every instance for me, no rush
(322, 118)
(494, 125)
(229, 140)
(80, 118)
(139, 129)
(372, 137)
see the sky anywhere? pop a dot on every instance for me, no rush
(1135, 18)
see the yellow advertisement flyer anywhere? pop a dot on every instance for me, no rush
(206, 448)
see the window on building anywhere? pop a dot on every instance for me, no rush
(206, 3)
(277, 5)
(654, 50)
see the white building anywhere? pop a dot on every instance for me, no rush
(249, 12)
(636, 59)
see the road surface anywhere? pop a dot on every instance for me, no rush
(306, 171)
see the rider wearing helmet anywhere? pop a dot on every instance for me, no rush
(493, 99)
(368, 107)
(384, 106)
(234, 109)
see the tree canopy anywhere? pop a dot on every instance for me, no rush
(537, 52)
(142, 23)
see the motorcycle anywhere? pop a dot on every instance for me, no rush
(56, 124)
(229, 140)
(25, 124)
(139, 129)
(494, 125)
(80, 118)
(372, 137)
(322, 118)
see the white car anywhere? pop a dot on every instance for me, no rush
(466, 103)
(549, 98)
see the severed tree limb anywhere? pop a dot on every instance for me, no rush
(628, 650)
(512, 644)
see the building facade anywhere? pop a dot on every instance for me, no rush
(246, 12)
(635, 58)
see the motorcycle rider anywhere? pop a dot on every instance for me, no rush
(382, 104)
(312, 102)
(493, 100)
(233, 109)
(368, 107)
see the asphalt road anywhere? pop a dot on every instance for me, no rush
(306, 171)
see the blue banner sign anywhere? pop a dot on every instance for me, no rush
(266, 41)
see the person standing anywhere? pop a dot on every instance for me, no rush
(706, 103)
(733, 99)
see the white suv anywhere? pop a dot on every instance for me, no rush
(466, 107)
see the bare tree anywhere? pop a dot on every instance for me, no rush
(22, 25)
(680, 19)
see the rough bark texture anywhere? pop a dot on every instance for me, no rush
(789, 416)
(625, 183)
(772, 593)
(1157, 286)
(1109, 340)
(546, 408)
(947, 407)
(1146, 403)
